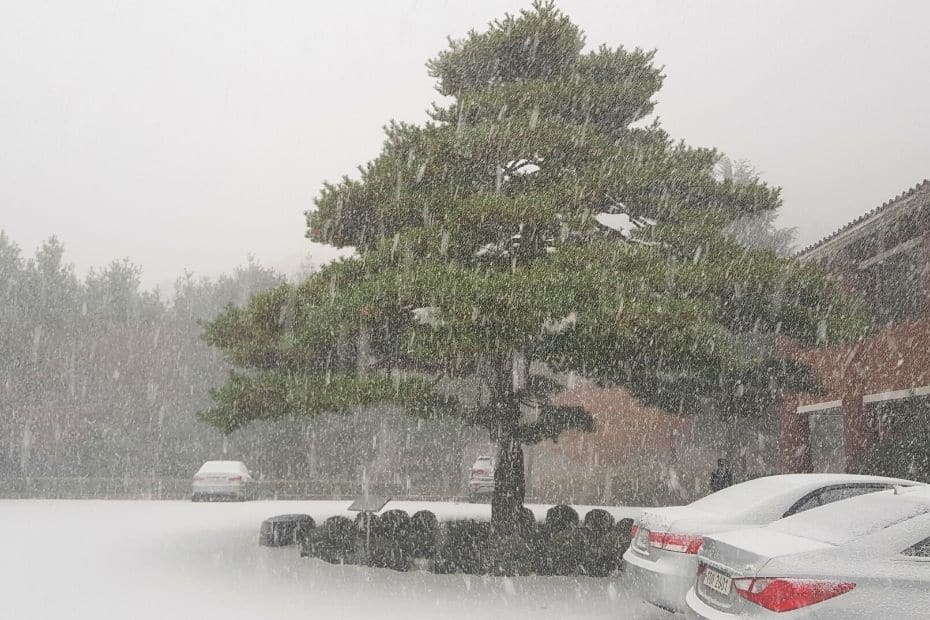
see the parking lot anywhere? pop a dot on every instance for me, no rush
(159, 559)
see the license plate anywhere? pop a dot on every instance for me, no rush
(716, 581)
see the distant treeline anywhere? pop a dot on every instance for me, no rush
(99, 378)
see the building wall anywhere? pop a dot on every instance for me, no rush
(895, 359)
(644, 456)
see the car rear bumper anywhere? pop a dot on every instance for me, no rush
(219, 490)
(663, 580)
(480, 487)
(699, 610)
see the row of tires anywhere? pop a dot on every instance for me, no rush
(563, 544)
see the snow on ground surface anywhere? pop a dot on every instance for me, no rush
(95, 560)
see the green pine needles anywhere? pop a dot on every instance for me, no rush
(537, 224)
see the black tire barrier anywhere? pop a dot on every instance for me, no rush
(391, 542)
(389, 553)
(599, 520)
(566, 551)
(624, 526)
(560, 518)
(602, 553)
(332, 542)
(424, 521)
(365, 523)
(283, 530)
(465, 548)
(393, 524)
(515, 554)
(424, 534)
(560, 546)
(624, 537)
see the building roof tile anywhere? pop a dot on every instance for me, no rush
(873, 213)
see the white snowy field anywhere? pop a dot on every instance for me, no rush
(94, 560)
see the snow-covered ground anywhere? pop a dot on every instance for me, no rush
(91, 560)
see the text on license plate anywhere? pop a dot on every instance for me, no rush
(716, 581)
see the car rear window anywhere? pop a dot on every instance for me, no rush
(847, 520)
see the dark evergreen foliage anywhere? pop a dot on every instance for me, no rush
(484, 257)
(99, 378)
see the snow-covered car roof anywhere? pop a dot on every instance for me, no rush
(222, 466)
(742, 497)
(841, 522)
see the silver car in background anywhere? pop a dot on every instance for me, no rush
(864, 558)
(662, 558)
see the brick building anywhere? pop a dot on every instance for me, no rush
(642, 455)
(872, 385)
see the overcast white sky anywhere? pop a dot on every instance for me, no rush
(187, 134)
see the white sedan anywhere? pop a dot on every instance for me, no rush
(662, 559)
(222, 480)
(865, 558)
(481, 479)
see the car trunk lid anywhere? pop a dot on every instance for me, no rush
(742, 553)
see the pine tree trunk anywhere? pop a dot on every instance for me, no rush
(509, 484)
(509, 475)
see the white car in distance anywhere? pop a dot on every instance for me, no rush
(481, 478)
(864, 558)
(222, 480)
(662, 558)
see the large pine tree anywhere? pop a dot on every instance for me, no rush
(535, 224)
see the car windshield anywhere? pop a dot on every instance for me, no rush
(855, 518)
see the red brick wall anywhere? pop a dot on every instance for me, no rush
(624, 428)
(895, 358)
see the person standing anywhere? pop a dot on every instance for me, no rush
(721, 477)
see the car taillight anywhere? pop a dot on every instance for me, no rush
(679, 543)
(780, 594)
(235, 479)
